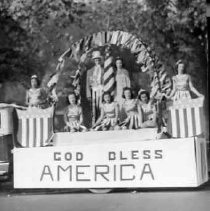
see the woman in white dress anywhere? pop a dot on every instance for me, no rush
(73, 116)
(122, 81)
(36, 96)
(182, 84)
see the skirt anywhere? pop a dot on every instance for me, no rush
(132, 122)
(107, 124)
(182, 95)
(74, 126)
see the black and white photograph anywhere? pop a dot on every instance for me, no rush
(104, 105)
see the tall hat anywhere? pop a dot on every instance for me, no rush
(118, 58)
(180, 61)
(96, 55)
(142, 91)
(34, 77)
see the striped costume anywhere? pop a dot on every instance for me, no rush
(94, 89)
(109, 121)
(133, 120)
(72, 117)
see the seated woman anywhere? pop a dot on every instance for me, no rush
(109, 114)
(148, 110)
(73, 116)
(132, 109)
(182, 84)
(36, 96)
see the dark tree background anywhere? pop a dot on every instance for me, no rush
(33, 34)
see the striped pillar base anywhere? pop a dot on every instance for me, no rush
(35, 127)
(186, 119)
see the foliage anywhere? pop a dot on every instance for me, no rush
(35, 33)
(175, 29)
(33, 36)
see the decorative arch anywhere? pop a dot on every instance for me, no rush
(145, 57)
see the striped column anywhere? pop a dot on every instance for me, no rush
(109, 77)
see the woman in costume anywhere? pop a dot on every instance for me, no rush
(108, 119)
(73, 116)
(182, 84)
(132, 109)
(148, 110)
(36, 96)
(122, 80)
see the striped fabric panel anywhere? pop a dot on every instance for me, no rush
(34, 132)
(35, 127)
(114, 38)
(185, 122)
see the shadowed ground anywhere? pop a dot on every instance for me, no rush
(123, 200)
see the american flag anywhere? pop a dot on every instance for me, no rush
(186, 118)
(35, 127)
(52, 83)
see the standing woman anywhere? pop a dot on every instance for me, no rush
(73, 116)
(182, 84)
(132, 109)
(108, 119)
(36, 96)
(122, 81)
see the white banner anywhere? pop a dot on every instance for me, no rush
(158, 163)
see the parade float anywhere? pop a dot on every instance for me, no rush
(103, 160)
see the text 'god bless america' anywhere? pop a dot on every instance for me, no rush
(117, 166)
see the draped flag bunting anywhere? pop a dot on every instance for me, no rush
(35, 127)
(114, 38)
(161, 82)
(76, 78)
(87, 44)
(51, 85)
(119, 38)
